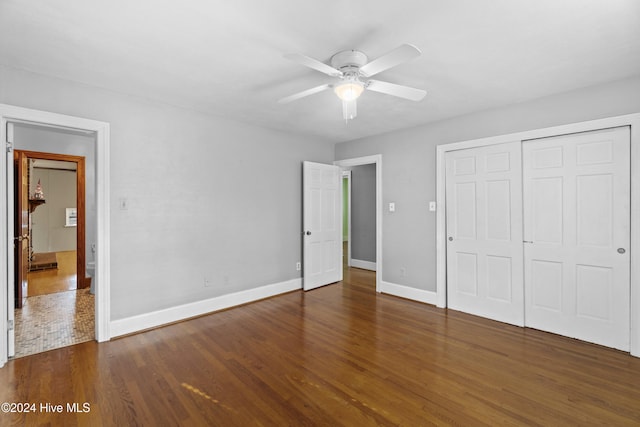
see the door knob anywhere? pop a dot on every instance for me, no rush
(621, 250)
(308, 233)
(451, 239)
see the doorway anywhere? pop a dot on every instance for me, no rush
(54, 292)
(100, 210)
(346, 217)
(360, 208)
(375, 162)
(61, 226)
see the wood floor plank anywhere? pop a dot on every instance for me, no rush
(62, 278)
(341, 355)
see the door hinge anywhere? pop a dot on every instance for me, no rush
(10, 325)
(9, 147)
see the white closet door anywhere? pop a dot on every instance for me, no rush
(577, 229)
(484, 232)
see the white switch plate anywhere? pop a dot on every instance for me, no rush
(392, 207)
(432, 206)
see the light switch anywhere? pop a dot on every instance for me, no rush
(432, 206)
(392, 207)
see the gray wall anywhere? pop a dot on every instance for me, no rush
(206, 197)
(363, 212)
(48, 140)
(48, 230)
(409, 166)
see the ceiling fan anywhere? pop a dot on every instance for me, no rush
(351, 70)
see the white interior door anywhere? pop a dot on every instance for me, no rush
(322, 223)
(577, 233)
(484, 232)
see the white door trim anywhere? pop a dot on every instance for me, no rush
(10, 113)
(367, 160)
(632, 120)
(347, 175)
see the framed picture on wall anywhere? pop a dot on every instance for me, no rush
(71, 217)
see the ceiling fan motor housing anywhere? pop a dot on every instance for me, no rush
(348, 60)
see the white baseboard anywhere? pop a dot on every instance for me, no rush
(367, 265)
(161, 317)
(420, 295)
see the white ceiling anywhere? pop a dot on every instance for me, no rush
(225, 57)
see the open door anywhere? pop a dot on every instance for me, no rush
(21, 228)
(322, 222)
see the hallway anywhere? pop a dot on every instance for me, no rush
(56, 314)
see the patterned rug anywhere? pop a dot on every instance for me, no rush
(53, 321)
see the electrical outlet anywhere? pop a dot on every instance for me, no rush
(392, 207)
(207, 282)
(298, 266)
(432, 206)
(123, 203)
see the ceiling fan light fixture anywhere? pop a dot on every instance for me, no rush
(349, 90)
(349, 110)
(349, 67)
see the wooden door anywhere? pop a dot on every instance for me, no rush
(322, 225)
(21, 228)
(484, 232)
(577, 233)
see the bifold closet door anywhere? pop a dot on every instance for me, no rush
(577, 235)
(484, 232)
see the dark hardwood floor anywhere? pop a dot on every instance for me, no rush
(340, 355)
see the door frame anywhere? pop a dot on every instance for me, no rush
(367, 160)
(631, 120)
(11, 113)
(82, 281)
(347, 175)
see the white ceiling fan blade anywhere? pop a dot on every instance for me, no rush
(313, 63)
(397, 56)
(304, 93)
(406, 92)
